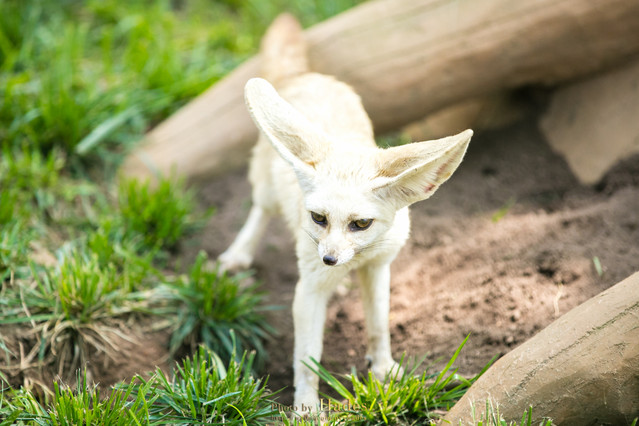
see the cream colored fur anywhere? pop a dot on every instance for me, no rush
(316, 158)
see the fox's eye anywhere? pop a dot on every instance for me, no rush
(360, 224)
(319, 219)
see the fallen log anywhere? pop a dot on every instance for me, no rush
(485, 113)
(208, 136)
(408, 58)
(581, 369)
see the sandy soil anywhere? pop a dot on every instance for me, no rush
(500, 251)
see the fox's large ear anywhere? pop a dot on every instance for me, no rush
(293, 136)
(410, 173)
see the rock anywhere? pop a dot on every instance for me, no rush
(595, 123)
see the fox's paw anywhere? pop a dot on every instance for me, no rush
(230, 261)
(382, 368)
(307, 402)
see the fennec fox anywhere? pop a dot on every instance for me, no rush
(345, 200)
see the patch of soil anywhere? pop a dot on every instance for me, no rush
(133, 348)
(140, 351)
(500, 251)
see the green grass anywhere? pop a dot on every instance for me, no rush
(67, 312)
(491, 417)
(202, 390)
(402, 397)
(503, 211)
(89, 78)
(15, 237)
(212, 307)
(597, 264)
(161, 216)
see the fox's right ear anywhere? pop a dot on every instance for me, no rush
(293, 136)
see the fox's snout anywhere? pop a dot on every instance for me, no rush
(333, 255)
(329, 260)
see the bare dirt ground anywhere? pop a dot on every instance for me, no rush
(500, 251)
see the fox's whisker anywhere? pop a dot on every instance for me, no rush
(312, 237)
(374, 245)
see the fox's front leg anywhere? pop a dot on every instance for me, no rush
(240, 253)
(375, 286)
(309, 315)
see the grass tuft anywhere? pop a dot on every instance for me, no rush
(83, 405)
(69, 312)
(204, 391)
(210, 307)
(28, 169)
(503, 210)
(15, 239)
(114, 248)
(402, 397)
(160, 216)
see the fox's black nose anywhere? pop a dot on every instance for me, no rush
(329, 260)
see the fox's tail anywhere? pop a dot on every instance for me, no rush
(283, 50)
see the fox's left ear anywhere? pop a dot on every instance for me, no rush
(413, 172)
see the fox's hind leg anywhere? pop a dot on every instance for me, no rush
(240, 253)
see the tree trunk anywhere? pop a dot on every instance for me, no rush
(408, 58)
